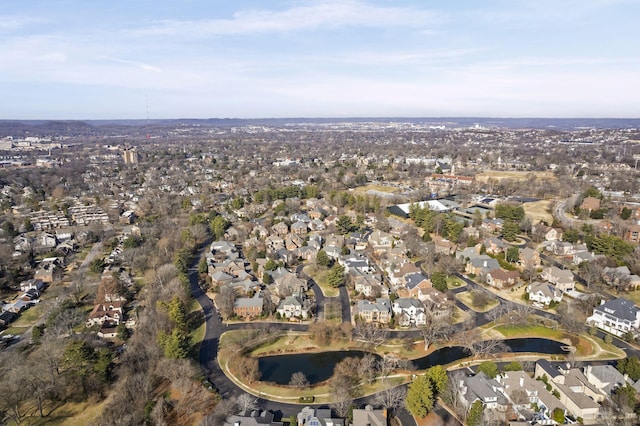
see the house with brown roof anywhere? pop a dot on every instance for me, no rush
(562, 278)
(500, 278)
(528, 258)
(590, 204)
(444, 246)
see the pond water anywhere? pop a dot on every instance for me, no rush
(318, 367)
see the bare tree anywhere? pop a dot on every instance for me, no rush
(225, 301)
(341, 402)
(485, 348)
(391, 397)
(246, 402)
(370, 334)
(435, 327)
(367, 368)
(299, 380)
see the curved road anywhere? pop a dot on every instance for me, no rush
(214, 328)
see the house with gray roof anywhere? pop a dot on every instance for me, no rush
(310, 416)
(562, 278)
(378, 312)
(606, 378)
(617, 316)
(294, 307)
(409, 312)
(535, 390)
(249, 307)
(577, 394)
(481, 265)
(483, 389)
(543, 293)
(252, 418)
(368, 416)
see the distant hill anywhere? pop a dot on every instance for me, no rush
(22, 128)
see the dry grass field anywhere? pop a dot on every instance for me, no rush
(539, 211)
(514, 175)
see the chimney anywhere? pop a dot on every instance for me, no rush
(522, 380)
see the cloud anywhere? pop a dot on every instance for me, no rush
(12, 23)
(298, 18)
(141, 65)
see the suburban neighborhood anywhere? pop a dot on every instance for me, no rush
(450, 283)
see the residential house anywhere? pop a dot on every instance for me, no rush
(562, 278)
(468, 252)
(50, 270)
(286, 282)
(316, 225)
(47, 240)
(535, 390)
(560, 248)
(481, 265)
(110, 313)
(590, 204)
(417, 285)
(380, 241)
(397, 276)
(575, 392)
(492, 225)
(585, 256)
(378, 312)
(621, 277)
(481, 388)
(617, 316)
(545, 232)
(299, 228)
(32, 284)
(409, 312)
(370, 285)
(280, 228)
(219, 278)
(543, 293)
(7, 317)
(494, 245)
(500, 278)
(368, 416)
(294, 307)
(355, 262)
(632, 233)
(274, 243)
(293, 241)
(606, 378)
(249, 307)
(528, 258)
(310, 416)
(444, 246)
(252, 418)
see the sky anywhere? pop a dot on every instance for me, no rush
(129, 59)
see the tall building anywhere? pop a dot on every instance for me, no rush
(130, 155)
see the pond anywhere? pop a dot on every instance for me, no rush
(318, 367)
(453, 353)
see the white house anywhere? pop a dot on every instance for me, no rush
(409, 311)
(543, 293)
(617, 316)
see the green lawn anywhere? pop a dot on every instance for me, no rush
(455, 282)
(319, 275)
(16, 331)
(530, 331)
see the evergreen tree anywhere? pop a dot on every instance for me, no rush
(420, 399)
